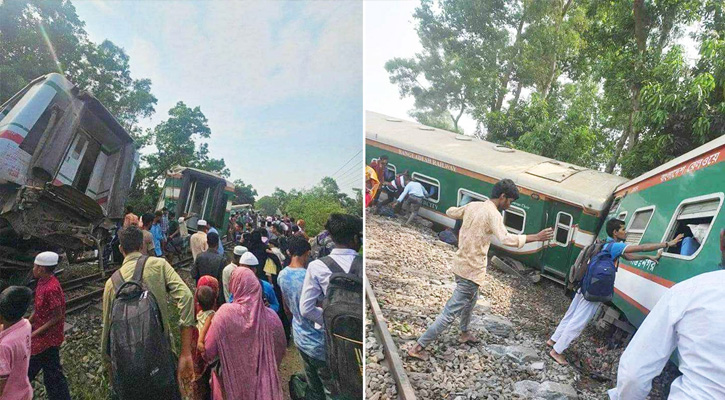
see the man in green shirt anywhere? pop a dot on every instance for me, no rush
(161, 280)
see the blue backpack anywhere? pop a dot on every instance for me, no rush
(598, 283)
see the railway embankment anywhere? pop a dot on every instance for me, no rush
(409, 270)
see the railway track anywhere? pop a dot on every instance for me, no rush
(395, 363)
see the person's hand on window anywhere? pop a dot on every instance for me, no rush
(676, 240)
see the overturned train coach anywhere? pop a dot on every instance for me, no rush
(197, 194)
(66, 166)
(684, 195)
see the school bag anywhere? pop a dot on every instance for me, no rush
(447, 236)
(580, 266)
(142, 364)
(598, 283)
(342, 314)
(322, 245)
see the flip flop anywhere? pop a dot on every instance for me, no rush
(557, 361)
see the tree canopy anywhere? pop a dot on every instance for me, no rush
(606, 85)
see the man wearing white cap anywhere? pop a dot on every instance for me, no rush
(227, 272)
(47, 322)
(198, 240)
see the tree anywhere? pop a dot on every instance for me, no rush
(175, 140)
(243, 193)
(268, 205)
(40, 37)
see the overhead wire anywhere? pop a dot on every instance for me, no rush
(346, 162)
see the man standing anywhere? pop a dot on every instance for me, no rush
(220, 246)
(581, 310)
(47, 321)
(413, 194)
(346, 233)
(689, 318)
(198, 241)
(482, 221)
(210, 263)
(160, 279)
(148, 248)
(159, 235)
(227, 272)
(164, 222)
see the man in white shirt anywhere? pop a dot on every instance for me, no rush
(413, 195)
(689, 318)
(227, 271)
(198, 242)
(346, 232)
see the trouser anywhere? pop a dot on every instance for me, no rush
(319, 384)
(413, 204)
(392, 195)
(461, 303)
(575, 320)
(53, 378)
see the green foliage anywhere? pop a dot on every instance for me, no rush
(597, 83)
(314, 209)
(268, 205)
(34, 32)
(243, 193)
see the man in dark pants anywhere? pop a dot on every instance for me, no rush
(47, 321)
(393, 189)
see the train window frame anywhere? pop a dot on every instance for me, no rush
(623, 216)
(634, 215)
(517, 211)
(462, 191)
(432, 181)
(673, 221)
(569, 227)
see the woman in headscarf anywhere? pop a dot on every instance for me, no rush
(249, 340)
(372, 183)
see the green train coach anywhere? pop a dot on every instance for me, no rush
(684, 196)
(457, 168)
(199, 195)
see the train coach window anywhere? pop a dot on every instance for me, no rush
(693, 218)
(466, 196)
(564, 222)
(638, 224)
(431, 185)
(515, 219)
(622, 216)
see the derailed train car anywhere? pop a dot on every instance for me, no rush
(199, 195)
(66, 166)
(457, 169)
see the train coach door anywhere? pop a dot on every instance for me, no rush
(557, 252)
(71, 163)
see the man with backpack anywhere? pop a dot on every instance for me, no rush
(337, 281)
(136, 340)
(597, 283)
(689, 318)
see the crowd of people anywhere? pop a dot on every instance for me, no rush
(235, 323)
(689, 318)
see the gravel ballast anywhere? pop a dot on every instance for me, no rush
(409, 270)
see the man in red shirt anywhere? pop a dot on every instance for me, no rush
(47, 322)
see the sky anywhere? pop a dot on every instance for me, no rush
(389, 33)
(280, 82)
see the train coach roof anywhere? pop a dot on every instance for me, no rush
(178, 170)
(569, 182)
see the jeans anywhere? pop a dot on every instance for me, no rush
(320, 384)
(413, 203)
(55, 383)
(461, 302)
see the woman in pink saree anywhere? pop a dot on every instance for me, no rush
(249, 340)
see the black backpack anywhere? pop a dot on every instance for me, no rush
(142, 364)
(342, 313)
